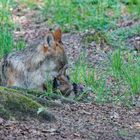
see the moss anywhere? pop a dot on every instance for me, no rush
(4, 113)
(14, 104)
(20, 102)
(21, 91)
(98, 37)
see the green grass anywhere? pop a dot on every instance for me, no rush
(82, 14)
(6, 25)
(131, 74)
(87, 75)
(6, 41)
(82, 73)
(128, 71)
(6, 29)
(125, 73)
(127, 65)
(117, 62)
(134, 6)
(118, 37)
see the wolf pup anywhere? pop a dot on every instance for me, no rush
(32, 67)
(62, 83)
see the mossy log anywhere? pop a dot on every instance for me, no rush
(14, 105)
(35, 95)
(19, 103)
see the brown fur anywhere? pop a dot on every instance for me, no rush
(58, 35)
(62, 83)
(32, 67)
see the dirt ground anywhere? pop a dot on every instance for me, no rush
(82, 121)
(78, 122)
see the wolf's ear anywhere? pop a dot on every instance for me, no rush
(49, 40)
(58, 34)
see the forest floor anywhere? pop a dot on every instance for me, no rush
(80, 121)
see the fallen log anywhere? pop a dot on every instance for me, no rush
(16, 105)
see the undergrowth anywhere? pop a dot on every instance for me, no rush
(6, 25)
(7, 43)
(82, 14)
(125, 73)
(102, 16)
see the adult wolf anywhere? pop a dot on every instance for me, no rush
(32, 67)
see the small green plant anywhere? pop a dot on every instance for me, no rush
(41, 109)
(134, 6)
(20, 45)
(117, 62)
(101, 92)
(131, 75)
(82, 73)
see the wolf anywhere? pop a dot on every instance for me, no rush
(33, 66)
(62, 83)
